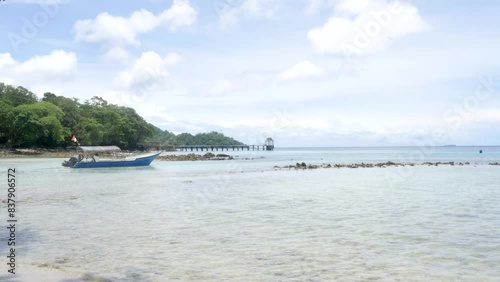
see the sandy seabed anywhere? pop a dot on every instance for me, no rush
(31, 273)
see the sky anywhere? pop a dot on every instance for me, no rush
(304, 72)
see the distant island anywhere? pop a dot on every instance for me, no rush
(27, 122)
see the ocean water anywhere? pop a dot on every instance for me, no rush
(244, 220)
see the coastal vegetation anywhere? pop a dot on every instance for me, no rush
(50, 122)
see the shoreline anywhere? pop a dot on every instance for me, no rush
(32, 153)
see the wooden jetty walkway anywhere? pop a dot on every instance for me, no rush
(224, 148)
(267, 146)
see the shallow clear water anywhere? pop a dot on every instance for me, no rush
(242, 221)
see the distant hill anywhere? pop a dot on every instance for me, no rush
(166, 138)
(26, 121)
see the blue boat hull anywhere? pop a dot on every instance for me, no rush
(140, 161)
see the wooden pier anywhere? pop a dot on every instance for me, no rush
(267, 146)
(225, 148)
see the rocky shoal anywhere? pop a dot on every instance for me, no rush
(194, 157)
(305, 166)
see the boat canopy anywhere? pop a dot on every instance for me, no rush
(99, 148)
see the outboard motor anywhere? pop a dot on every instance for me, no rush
(72, 161)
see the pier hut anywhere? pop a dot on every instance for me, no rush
(269, 144)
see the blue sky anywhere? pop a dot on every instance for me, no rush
(305, 72)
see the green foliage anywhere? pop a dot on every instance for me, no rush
(70, 107)
(24, 127)
(25, 121)
(165, 138)
(214, 138)
(162, 138)
(16, 96)
(5, 118)
(98, 102)
(35, 124)
(53, 131)
(90, 131)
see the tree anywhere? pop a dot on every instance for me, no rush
(36, 124)
(70, 107)
(54, 132)
(166, 138)
(133, 126)
(98, 101)
(184, 139)
(16, 96)
(163, 138)
(90, 132)
(5, 120)
(24, 129)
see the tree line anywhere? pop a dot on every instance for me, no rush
(50, 122)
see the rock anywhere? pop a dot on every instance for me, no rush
(209, 155)
(192, 157)
(223, 156)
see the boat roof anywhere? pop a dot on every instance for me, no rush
(99, 148)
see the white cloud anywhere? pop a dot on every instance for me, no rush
(172, 59)
(59, 65)
(238, 83)
(117, 54)
(146, 74)
(180, 14)
(116, 30)
(303, 69)
(150, 109)
(230, 11)
(363, 26)
(6, 59)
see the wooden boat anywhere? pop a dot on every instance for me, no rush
(88, 157)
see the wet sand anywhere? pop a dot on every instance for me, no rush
(31, 153)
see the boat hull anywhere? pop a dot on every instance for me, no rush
(138, 161)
